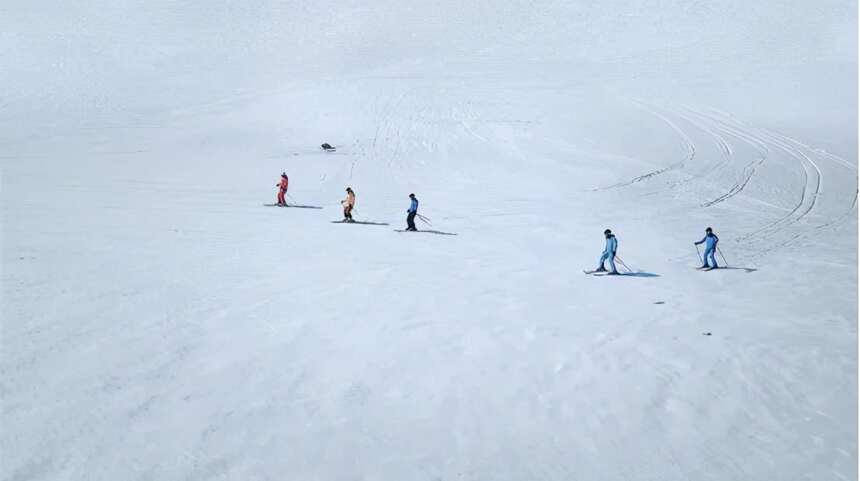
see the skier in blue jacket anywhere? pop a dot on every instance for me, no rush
(412, 212)
(609, 253)
(710, 240)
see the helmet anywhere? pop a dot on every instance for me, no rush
(607, 231)
(411, 195)
(709, 230)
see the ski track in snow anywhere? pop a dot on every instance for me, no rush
(688, 144)
(793, 225)
(159, 323)
(726, 151)
(808, 195)
(771, 235)
(748, 170)
(324, 377)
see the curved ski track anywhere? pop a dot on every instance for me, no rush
(685, 139)
(724, 130)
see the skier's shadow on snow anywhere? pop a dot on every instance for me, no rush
(638, 274)
(294, 206)
(359, 222)
(745, 269)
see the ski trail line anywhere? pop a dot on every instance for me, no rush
(749, 170)
(688, 144)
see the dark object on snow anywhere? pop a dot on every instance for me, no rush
(327, 148)
(660, 302)
(706, 333)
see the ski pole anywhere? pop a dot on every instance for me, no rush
(424, 219)
(698, 254)
(724, 257)
(627, 267)
(623, 264)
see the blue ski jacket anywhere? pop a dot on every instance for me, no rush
(611, 245)
(413, 207)
(710, 241)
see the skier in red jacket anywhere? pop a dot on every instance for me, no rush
(282, 189)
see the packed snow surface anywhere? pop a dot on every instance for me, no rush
(160, 323)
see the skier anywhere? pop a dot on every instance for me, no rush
(282, 189)
(609, 253)
(710, 240)
(348, 205)
(412, 212)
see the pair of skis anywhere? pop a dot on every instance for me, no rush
(426, 231)
(599, 273)
(604, 272)
(607, 273)
(359, 222)
(294, 206)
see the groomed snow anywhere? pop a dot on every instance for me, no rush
(160, 323)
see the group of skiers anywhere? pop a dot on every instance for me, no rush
(610, 251)
(349, 203)
(709, 259)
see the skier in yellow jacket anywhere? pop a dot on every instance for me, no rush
(348, 205)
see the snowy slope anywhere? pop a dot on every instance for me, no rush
(159, 323)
